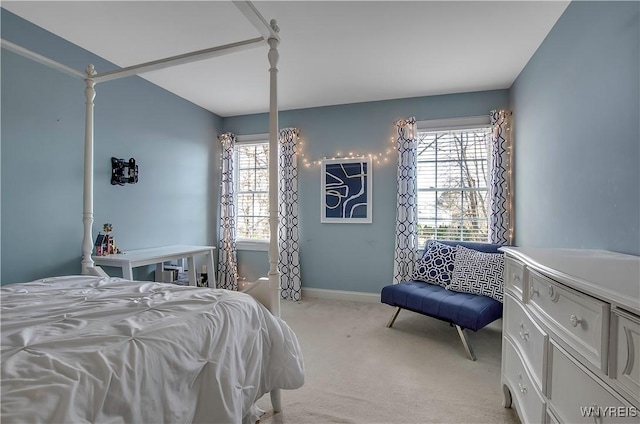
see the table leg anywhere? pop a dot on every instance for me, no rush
(159, 269)
(192, 271)
(127, 272)
(211, 270)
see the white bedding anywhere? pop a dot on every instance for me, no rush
(88, 349)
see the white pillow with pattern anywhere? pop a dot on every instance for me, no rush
(478, 272)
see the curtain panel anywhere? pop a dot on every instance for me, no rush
(227, 261)
(500, 190)
(407, 201)
(288, 229)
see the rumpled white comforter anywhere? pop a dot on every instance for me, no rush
(87, 349)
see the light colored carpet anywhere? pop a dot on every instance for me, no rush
(359, 371)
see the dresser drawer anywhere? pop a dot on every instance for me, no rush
(579, 396)
(514, 277)
(625, 360)
(579, 320)
(530, 339)
(529, 402)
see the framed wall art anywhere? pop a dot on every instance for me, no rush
(346, 190)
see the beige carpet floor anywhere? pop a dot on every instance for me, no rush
(359, 371)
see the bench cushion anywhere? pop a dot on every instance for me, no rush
(467, 310)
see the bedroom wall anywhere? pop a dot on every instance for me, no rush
(352, 257)
(172, 140)
(576, 127)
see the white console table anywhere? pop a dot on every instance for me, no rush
(571, 335)
(157, 255)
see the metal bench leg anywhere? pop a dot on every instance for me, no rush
(465, 342)
(393, 317)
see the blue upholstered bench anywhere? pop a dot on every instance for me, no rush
(464, 310)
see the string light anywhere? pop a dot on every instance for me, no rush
(380, 156)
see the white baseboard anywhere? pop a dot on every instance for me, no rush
(340, 295)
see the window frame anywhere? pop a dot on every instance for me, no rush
(245, 243)
(454, 124)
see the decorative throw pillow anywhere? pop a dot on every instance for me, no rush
(436, 265)
(478, 272)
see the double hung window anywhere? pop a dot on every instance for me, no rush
(252, 192)
(453, 172)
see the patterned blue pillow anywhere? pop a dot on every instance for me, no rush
(478, 272)
(436, 265)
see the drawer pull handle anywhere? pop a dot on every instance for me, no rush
(524, 335)
(575, 320)
(553, 294)
(533, 291)
(521, 387)
(515, 277)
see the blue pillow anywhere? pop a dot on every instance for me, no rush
(436, 265)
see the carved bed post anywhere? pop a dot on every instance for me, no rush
(274, 274)
(87, 214)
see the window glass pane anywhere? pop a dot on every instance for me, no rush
(262, 180)
(452, 184)
(252, 190)
(243, 227)
(261, 204)
(244, 204)
(246, 180)
(449, 174)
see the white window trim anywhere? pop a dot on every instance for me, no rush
(256, 245)
(462, 123)
(252, 138)
(250, 244)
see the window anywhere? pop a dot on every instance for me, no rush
(252, 191)
(453, 180)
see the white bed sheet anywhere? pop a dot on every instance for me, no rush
(88, 349)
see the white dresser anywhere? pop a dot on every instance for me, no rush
(571, 336)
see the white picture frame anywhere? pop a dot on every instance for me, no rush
(346, 191)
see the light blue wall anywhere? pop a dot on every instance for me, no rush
(173, 141)
(576, 129)
(354, 257)
(576, 108)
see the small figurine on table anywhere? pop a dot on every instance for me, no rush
(100, 245)
(109, 241)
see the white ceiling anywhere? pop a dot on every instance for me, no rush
(331, 52)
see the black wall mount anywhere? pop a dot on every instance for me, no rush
(123, 172)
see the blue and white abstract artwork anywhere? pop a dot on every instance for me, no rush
(346, 190)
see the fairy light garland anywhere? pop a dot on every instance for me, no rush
(379, 157)
(506, 115)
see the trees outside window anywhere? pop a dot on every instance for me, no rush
(453, 184)
(252, 190)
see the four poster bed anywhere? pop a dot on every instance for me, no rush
(95, 348)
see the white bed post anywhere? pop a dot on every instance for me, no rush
(87, 214)
(274, 274)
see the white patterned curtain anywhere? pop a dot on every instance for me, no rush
(227, 262)
(288, 230)
(407, 210)
(500, 200)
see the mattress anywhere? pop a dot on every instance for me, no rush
(90, 349)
